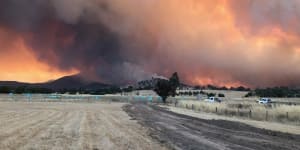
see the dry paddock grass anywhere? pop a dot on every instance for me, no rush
(64, 126)
(275, 126)
(276, 113)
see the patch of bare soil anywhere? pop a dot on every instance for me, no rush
(184, 132)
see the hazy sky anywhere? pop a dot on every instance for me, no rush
(224, 42)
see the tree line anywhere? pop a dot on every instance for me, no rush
(196, 93)
(24, 89)
(275, 92)
(212, 87)
(42, 90)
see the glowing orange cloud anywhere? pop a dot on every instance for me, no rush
(18, 63)
(224, 42)
(212, 43)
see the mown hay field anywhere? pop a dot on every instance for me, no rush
(68, 125)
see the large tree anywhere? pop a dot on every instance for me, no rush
(175, 83)
(166, 88)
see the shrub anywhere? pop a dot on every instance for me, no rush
(221, 95)
(211, 94)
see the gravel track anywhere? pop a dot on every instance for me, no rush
(184, 132)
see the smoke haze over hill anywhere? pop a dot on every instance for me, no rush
(224, 42)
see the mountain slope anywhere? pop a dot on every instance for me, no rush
(67, 82)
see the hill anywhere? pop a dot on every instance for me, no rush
(66, 83)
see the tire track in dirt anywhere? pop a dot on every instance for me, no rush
(13, 121)
(104, 132)
(5, 114)
(9, 117)
(88, 132)
(50, 137)
(31, 133)
(21, 135)
(71, 130)
(123, 136)
(20, 124)
(64, 140)
(83, 131)
(108, 135)
(210, 129)
(93, 132)
(138, 140)
(57, 126)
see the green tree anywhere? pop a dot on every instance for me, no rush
(5, 89)
(174, 83)
(163, 89)
(211, 94)
(20, 90)
(166, 88)
(128, 89)
(221, 95)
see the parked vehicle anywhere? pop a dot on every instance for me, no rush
(264, 101)
(213, 100)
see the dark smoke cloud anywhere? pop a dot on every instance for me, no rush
(71, 36)
(248, 42)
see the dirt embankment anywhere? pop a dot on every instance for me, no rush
(185, 132)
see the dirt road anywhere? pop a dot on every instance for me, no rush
(184, 132)
(63, 126)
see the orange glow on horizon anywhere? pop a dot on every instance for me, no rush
(209, 81)
(219, 42)
(18, 63)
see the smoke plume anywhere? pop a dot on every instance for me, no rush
(225, 42)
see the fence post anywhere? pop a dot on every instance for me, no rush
(239, 112)
(250, 114)
(267, 115)
(186, 106)
(192, 106)
(216, 109)
(287, 115)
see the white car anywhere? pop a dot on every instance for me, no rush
(264, 101)
(213, 100)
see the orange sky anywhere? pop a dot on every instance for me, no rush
(223, 42)
(18, 63)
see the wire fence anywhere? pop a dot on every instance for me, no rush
(77, 98)
(277, 113)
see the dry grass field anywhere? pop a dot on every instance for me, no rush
(64, 126)
(85, 122)
(274, 112)
(229, 94)
(274, 126)
(234, 104)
